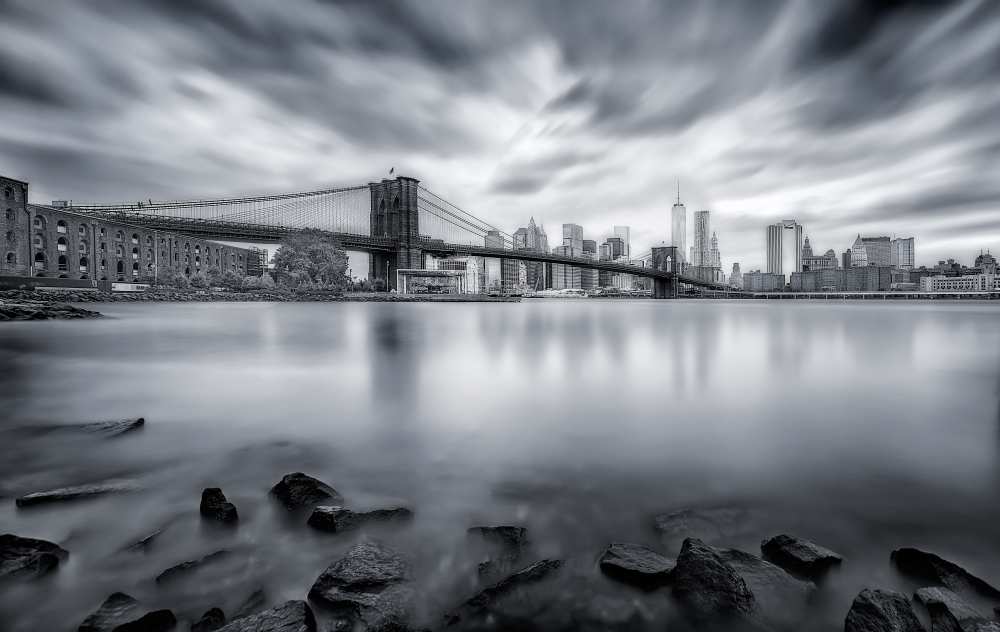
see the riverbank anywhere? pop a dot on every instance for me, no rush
(19, 309)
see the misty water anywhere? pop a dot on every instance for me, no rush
(862, 426)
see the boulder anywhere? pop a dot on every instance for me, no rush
(184, 568)
(708, 587)
(881, 611)
(710, 525)
(297, 490)
(948, 611)
(488, 597)
(76, 493)
(291, 616)
(367, 586)
(799, 556)
(930, 567)
(782, 600)
(636, 564)
(27, 558)
(155, 621)
(117, 609)
(144, 544)
(214, 506)
(508, 544)
(338, 519)
(210, 621)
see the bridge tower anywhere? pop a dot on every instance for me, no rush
(394, 216)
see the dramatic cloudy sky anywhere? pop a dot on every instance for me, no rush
(873, 117)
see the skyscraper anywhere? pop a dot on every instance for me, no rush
(902, 253)
(878, 251)
(714, 259)
(678, 225)
(534, 239)
(573, 237)
(736, 278)
(624, 233)
(701, 247)
(859, 254)
(784, 247)
(494, 240)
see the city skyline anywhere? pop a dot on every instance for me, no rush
(533, 124)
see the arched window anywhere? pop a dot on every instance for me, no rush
(197, 262)
(61, 227)
(82, 247)
(119, 236)
(83, 264)
(135, 238)
(84, 275)
(135, 269)
(8, 192)
(10, 215)
(149, 267)
(11, 259)
(177, 257)
(38, 222)
(82, 230)
(197, 250)
(163, 254)
(61, 244)
(187, 246)
(104, 247)
(10, 236)
(103, 233)
(119, 251)
(62, 263)
(135, 253)
(121, 267)
(187, 271)
(39, 240)
(149, 240)
(104, 265)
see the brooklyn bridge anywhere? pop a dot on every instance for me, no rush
(396, 221)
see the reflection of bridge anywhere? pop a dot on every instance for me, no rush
(395, 221)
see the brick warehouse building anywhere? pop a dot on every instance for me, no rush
(47, 241)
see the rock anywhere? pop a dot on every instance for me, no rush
(881, 611)
(144, 544)
(184, 568)
(115, 428)
(338, 519)
(708, 587)
(488, 597)
(291, 616)
(214, 506)
(799, 557)
(709, 525)
(117, 609)
(76, 493)
(28, 558)
(948, 611)
(211, 620)
(636, 564)
(368, 586)
(252, 604)
(155, 621)
(930, 567)
(509, 544)
(300, 490)
(782, 600)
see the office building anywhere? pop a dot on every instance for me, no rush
(700, 247)
(784, 247)
(757, 281)
(736, 277)
(678, 225)
(859, 254)
(624, 234)
(967, 283)
(494, 240)
(565, 276)
(878, 251)
(902, 253)
(573, 237)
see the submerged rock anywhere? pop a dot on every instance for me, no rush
(509, 544)
(488, 597)
(210, 621)
(291, 616)
(144, 544)
(76, 493)
(782, 599)
(252, 604)
(881, 611)
(297, 490)
(117, 609)
(28, 558)
(708, 587)
(115, 428)
(367, 586)
(636, 564)
(799, 556)
(930, 567)
(179, 570)
(214, 506)
(338, 519)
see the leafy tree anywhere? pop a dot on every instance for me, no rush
(231, 280)
(311, 259)
(379, 285)
(214, 274)
(199, 280)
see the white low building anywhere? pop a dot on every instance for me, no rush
(969, 283)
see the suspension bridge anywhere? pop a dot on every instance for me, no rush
(397, 221)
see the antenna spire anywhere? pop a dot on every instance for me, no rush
(678, 190)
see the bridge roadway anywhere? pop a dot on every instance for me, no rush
(264, 233)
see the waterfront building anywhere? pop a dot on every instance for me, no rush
(714, 259)
(784, 247)
(902, 253)
(589, 278)
(878, 250)
(967, 283)
(678, 225)
(845, 259)
(474, 269)
(864, 279)
(700, 248)
(859, 254)
(817, 262)
(50, 241)
(532, 238)
(494, 239)
(736, 277)
(565, 277)
(986, 262)
(757, 281)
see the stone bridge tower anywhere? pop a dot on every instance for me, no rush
(394, 216)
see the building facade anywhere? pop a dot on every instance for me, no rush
(45, 241)
(902, 253)
(968, 283)
(757, 281)
(678, 226)
(784, 247)
(700, 252)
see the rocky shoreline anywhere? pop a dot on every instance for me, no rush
(21, 309)
(375, 587)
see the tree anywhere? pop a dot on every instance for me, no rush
(311, 258)
(199, 280)
(231, 280)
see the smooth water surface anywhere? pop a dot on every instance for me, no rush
(863, 426)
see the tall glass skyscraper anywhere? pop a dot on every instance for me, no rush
(784, 248)
(678, 226)
(702, 245)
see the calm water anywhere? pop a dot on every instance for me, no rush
(862, 426)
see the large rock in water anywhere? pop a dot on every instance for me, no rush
(155, 621)
(117, 609)
(114, 428)
(951, 613)
(508, 544)
(338, 519)
(367, 586)
(709, 588)
(292, 616)
(636, 564)
(28, 558)
(214, 506)
(800, 557)
(881, 611)
(782, 600)
(77, 492)
(212, 620)
(480, 604)
(179, 570)
(930, 567)
(297, 490)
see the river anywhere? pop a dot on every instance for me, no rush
(862, 426)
